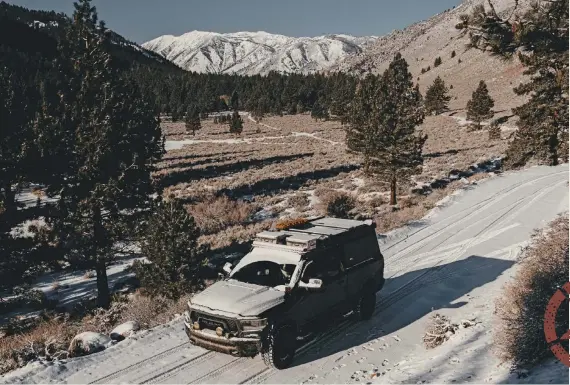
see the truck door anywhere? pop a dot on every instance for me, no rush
(317, 304)
(359, 263)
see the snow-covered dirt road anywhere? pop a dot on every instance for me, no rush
(453, 262)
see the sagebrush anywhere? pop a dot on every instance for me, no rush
(519, 334)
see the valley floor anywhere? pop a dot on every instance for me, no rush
(454, 262)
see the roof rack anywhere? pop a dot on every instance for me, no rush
(309, 234)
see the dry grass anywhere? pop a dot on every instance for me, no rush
(230, 235)
(214, 214)
(336, 203)
(50, 339)
(299, 201)
(520, 311)
(411, 208)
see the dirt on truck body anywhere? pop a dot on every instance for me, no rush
(286, 287)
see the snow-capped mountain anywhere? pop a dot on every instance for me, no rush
(249, 53)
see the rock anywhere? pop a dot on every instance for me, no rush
(464, 181)
(124, 330)
(88, 343)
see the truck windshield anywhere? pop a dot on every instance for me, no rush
(265, 273)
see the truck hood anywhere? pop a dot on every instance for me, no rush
(239, 298)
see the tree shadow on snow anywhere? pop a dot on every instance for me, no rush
(406, 299)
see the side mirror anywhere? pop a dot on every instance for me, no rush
(227, 267)
(314, 284)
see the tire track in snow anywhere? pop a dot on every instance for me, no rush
(425, 278)
(105, 379)
(474, 210)
(157, 378)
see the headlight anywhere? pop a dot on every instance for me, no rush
(253, 324)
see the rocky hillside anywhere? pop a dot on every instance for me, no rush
(421, 43)
(250, 53)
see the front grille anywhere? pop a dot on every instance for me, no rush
(211, 322)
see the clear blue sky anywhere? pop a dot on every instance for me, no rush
(143, 20)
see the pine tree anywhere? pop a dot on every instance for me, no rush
(16, 136)
(192, 120)
(388, 112)
(114, 137)
(540, 38)
(318, 111)
(452, 54)
(361, 128)
(437, 98)
(170, 243)
(437, 62)
(480, 106)
(236, 123)
(234, 101)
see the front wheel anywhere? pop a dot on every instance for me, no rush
(279, 349)
(366, 306)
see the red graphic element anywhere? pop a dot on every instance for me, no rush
(550, 325)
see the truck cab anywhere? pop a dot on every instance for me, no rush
(289, 285)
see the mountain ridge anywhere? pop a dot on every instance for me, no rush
(252, 53)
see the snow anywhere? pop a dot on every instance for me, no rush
(249, 53)
(124, 330)
(455, 263)
(89, 343)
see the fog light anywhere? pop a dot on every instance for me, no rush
(196, 325)
(219, 331)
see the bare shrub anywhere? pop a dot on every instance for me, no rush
(392, 219)
(216, 213)
(299, 201)
(322, 191)
(407, 202)
(337, 204)
(376, 201)
(478, 177)
(239, 233)
(519, 334)
(438, 331)
(49, 341)
(150, 312)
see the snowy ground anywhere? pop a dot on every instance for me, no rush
(453, 262)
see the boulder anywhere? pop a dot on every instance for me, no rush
(124, 330)
(88, 343)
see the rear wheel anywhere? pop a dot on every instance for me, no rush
(366, 305)
(279, 348)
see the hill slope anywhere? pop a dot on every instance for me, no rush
(249, 53)
(33, 31)
(422, 42)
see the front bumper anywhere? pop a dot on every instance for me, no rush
(236, 346)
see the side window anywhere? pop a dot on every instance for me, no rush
(359, 250)
(325, 268)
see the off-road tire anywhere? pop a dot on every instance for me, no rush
(279, 338)
(365, 306)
